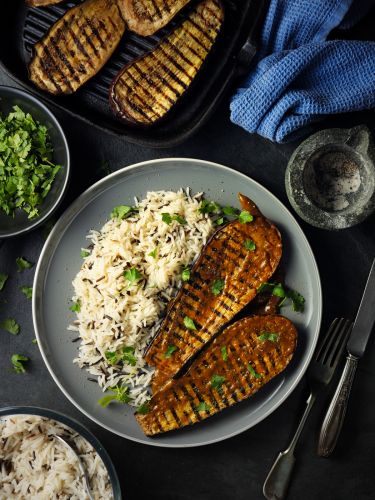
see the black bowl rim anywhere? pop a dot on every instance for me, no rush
(40, 220)
(78, 427)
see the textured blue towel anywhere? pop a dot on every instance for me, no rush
(298, 76)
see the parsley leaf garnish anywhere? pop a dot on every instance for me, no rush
(185, 275)
(224, 352)
(271, 336)
(23, 264)
(170, 350)
(27, 291)
(189, 323)
(250, 245)
(76, 307)
(111, 357)
(17, 362)
(26, 168)
(202, 406)
(11, 326)
(168, 218)
(154, 253)
(132, 275)
(120, 394)
(253, 372)
(128, 355)
(217, 381)
(217, 286)
(34, 341)
(245, 217)
(209, 207)
(121, 212)
(220, 221)
(230, 211)
(279, 291)
(3, 279)
(84, 253)
(143, 409)
(298, 300)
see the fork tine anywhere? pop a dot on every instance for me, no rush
(328, 338)
(334, 357)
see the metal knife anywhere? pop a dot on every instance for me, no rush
(356, 346)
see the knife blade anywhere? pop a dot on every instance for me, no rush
(365, 318)
(356, 345)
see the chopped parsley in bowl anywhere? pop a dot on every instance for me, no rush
(34, 162)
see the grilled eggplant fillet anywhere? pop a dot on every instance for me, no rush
(145, 17)
(77, 46)
(147, 88)
(200, 309)
(239, 362)
(41, 3)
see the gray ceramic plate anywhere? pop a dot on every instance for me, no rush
(60, 261)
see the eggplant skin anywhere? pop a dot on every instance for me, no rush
(241, 272)
(146, 89)
(146, 17)
(77, 46)
(42, 3)
(249, 364)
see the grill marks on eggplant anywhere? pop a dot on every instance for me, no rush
(146, 89)
(176, 405)
(242, 272)
(77, 46)
(145, 17)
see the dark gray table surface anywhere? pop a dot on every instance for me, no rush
(236, 468)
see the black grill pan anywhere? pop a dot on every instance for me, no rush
(21, 27)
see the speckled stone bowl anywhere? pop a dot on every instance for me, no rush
(330, 178)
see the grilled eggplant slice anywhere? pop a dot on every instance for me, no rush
(77, 46)
(145, 17)
(41, 3)
(147, 88)
(224, 279)
(239, 362)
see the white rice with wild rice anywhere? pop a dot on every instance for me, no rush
(35, 465)
(116, 313)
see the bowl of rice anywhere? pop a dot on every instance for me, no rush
(34, 464)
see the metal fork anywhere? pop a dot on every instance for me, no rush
(319, 375)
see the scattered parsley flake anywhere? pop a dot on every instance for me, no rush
(203, 406)
(253, 372)
(34, 341)
(170, 350)
(27, 291)
(153, 253)
(76, 307)
(84, 253)
(245, 217)
(298, 300)
(189, 323)
(271, 336)
(26, 168)
(217, 381)
(209, 207)
(111, 357)
(220, 221)
(224, 352)
(217, 286)
(3, 279)
(10, 325)
(230, 211)
(132, 275)
(185, 275)
(17, 362)
(279, 291)
(120, 394)
(143, 409)
(121, 212)
(23, 264)
(250, 245)
(128, 355)
(168, 218)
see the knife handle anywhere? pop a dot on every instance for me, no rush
(335, 415)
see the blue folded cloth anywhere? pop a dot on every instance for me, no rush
(298, 76)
